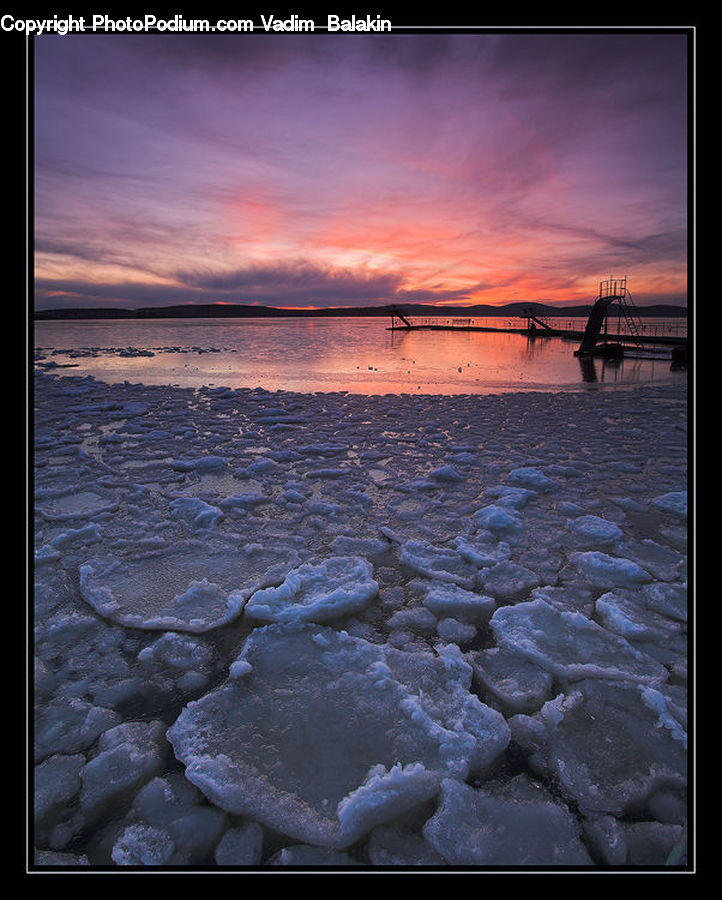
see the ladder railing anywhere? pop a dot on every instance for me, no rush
(631, 319)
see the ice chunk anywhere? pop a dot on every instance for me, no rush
(661, 562)
(674, 503)
(667, 599)
(344, 545)
(509, 581)
(329, 735)
(594, 530)
(500, 520)
(57, 781)
(54, 858)
(318, 592)
(605, 838)
(482, 551)
(666, 718)
(446, 474)
(604, 571)
(450, 600)
(531, 478)
(414, 618)
(79, 504)
(652, 843)
(627, 614)
(438, 562)
(568, 598)
(177, 661)
(570, 646)
(190, 587)
(69, 725)
(196, 511)
(601, 744)
(456, 632)
(200, 464)
(514, 823)
(170, 823)
(392, 845)
(514, 497)
(143, 845)
(130, 755)
(240, 846)
(512, 682)
(307, 855)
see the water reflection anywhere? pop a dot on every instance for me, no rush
(356, 355)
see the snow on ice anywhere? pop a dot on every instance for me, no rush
(287, 630)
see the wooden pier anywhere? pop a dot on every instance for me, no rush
(594, 339)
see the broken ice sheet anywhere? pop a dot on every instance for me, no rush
(190, 587)
(322, 736)
(316, 592)
(609, 746)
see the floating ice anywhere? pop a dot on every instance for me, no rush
(308, 855)
(456, 632)
(602, 746)
(499, 519)
(200, 464)
(392, 845)
(328, 735)
(482, 551)
(128, 756)
(187, 588)
(663, 563)
(69, 726)
(509, 581)
(438, 562)
(534, 479)
(595, 530)
(627, 614)
(324, 737)
(511, 681)
(316, 592)
(57, 782)
(447, 474)
(570, 646)
(169, 823)
(516, 823)
(604, 571)
(240, 846)
(72, 505)
(196, 511)
(674, 503)
(514, 497)
(667, 599)
(450, 600)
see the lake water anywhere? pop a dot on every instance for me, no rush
(358, 355)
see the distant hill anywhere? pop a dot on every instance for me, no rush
(239, 311)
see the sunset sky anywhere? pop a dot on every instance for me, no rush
(344, 170)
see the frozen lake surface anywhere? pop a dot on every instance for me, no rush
(281, 629)
(359, 355)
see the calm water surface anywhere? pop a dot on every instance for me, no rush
(359, 355)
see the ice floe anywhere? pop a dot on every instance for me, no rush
(327, 736)
(290, 631)
(514, 823)
(188, 588)
(316, 592)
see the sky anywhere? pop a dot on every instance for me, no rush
(337, 170)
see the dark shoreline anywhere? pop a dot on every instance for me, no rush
(241, 311)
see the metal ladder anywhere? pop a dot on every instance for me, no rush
(631, 319)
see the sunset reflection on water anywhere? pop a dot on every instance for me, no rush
(355, 354)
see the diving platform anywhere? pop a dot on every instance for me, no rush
(613, 290)
(597, 338)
